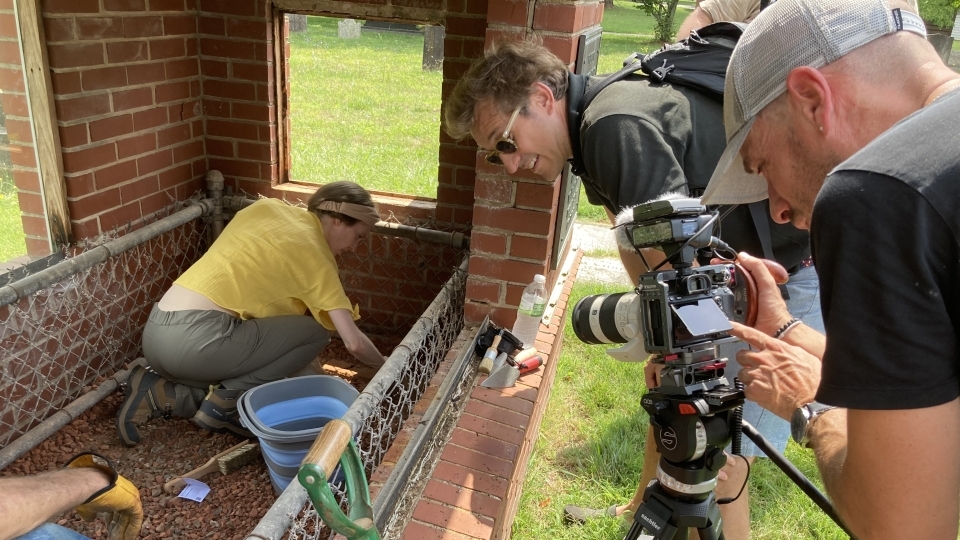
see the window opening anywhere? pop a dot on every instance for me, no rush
(31, 183)
(364, 103)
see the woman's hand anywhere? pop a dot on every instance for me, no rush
(355, 340)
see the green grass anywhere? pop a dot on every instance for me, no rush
(12, 242)
(363, 110)
(626, 18)
(589, 448)
(590, 453)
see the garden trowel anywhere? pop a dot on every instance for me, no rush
(506, 375)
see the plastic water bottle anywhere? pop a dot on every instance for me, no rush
(532, 303)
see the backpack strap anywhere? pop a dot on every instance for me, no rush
(575, 114)
(761, 223)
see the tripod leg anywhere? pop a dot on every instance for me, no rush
(651, 458)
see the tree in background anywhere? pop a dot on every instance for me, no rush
(663, 12)
(939, 12)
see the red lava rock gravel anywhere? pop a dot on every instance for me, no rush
(168, 449)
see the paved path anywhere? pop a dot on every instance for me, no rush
(593, 238)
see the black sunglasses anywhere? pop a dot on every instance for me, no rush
(506, 144)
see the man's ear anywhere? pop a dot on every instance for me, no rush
(542, 96)
(810, 96)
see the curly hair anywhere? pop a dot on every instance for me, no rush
(504, 74)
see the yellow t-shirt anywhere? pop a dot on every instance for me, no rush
(271, 260)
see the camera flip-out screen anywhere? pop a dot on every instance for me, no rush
(703, 318)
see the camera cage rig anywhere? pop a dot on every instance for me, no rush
(677, 318)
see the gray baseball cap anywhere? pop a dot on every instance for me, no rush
(787, 35)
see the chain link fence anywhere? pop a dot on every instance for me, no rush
(65, 336)
(379, 413)
(70, 326)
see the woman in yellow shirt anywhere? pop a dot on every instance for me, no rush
(257, 307)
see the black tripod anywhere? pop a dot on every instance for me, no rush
(668, 514)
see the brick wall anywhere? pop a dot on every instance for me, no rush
(514, 217)
(127, 86)
(150, 94)
(236, 57)
(21, 150)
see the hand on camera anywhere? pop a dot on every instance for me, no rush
(771, 309)
(651, 373)
(778, 376)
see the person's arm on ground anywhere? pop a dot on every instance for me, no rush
(89, 483)
(27, 502)
(698, 18)
(356, 342)
(904, 459)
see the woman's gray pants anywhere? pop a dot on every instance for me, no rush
(200, 348)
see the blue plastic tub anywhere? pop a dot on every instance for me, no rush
(287, 415)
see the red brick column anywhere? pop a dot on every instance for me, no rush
(237, 60)
(126, 81)
(514, 217)
(464, 28)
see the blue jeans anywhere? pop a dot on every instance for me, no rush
(804, 302)
(52, 531)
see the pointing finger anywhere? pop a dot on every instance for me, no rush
(757, 339)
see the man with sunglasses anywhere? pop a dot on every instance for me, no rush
(637, 140)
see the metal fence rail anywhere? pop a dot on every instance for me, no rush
(70, 326)
(378, 414)
(73, 324)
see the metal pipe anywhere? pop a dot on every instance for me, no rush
(64, 416)
(69, 267)
(369, 400)
(422, 234)
(455, 239)
(276, 521)
(426, 429)
(215, 192)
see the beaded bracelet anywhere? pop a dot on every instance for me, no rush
(787, 326)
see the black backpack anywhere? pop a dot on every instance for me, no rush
(699, 62)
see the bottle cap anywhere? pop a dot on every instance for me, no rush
(540, 278)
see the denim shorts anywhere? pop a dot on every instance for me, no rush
(52, 531)
(804, 290)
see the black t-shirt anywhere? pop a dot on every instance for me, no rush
(885, 232)
(641, 140)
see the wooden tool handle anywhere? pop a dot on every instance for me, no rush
(329, 446)
(492, 349)
(529, 352)
(210, 466)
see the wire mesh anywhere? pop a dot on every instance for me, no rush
(413, 365)
(58, 341)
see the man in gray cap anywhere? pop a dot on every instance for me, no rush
(845, 117)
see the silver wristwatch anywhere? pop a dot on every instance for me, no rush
(802, 416)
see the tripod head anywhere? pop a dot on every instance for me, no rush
(694, 415)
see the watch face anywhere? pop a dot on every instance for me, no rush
(798, 424)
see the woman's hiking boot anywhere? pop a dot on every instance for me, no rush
(218, 412)
(149, 396)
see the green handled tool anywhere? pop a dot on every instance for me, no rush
(334, 444)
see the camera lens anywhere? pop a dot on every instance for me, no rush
(606, 318)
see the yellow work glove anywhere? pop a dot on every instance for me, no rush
(120, 500)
